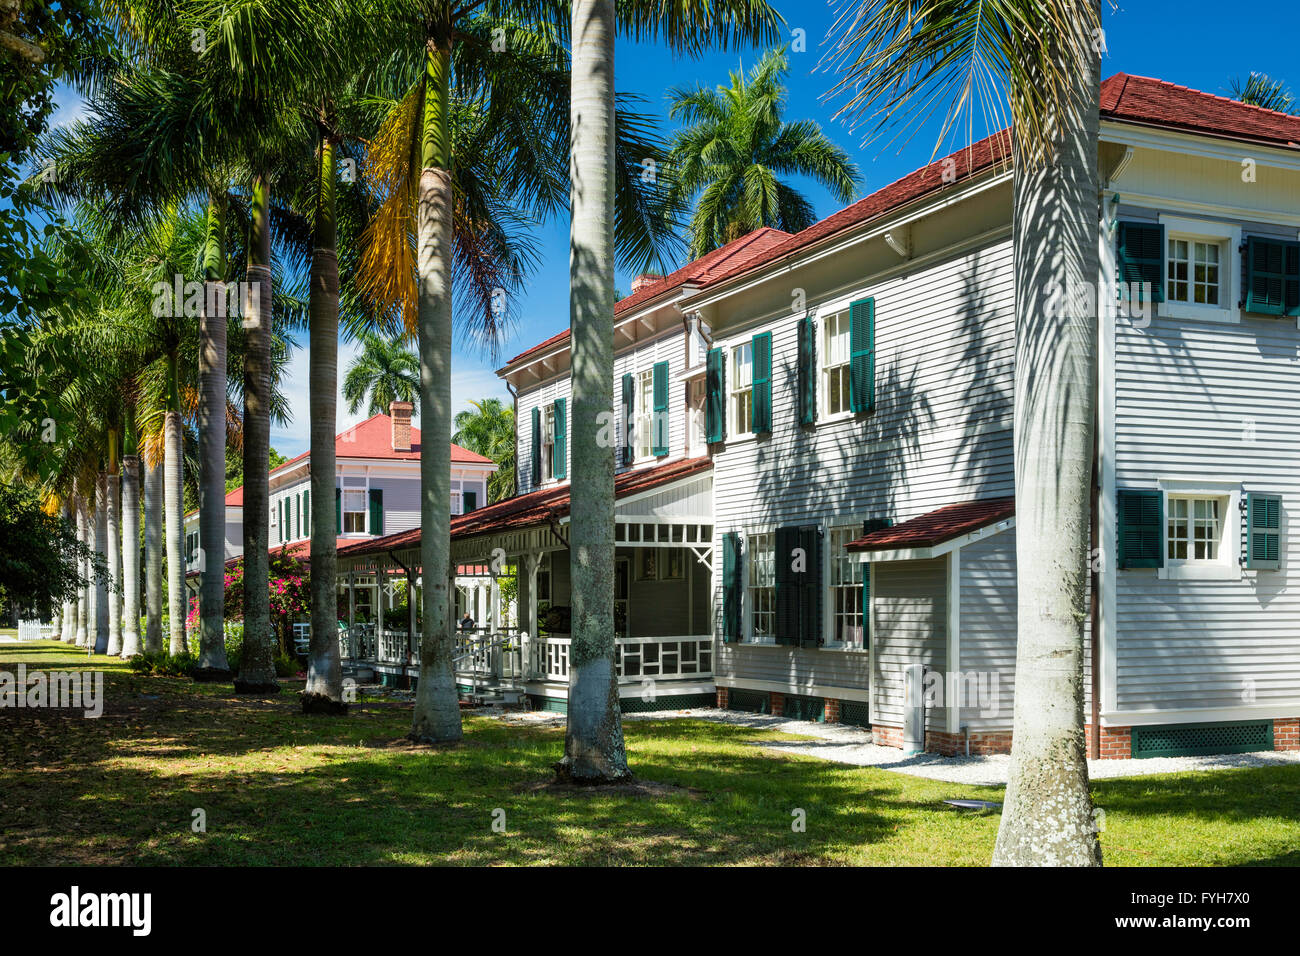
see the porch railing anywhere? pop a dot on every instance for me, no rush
(635, 658)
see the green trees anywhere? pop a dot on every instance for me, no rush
(42, 562)
(1044, 54)
(488, 429)
(386, 371)
(1260, 89)
(734, 149)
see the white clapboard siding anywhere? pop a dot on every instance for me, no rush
(940, 434)
(401, 503)
(988, 623)
(1217, 402)
(669, 347)
(909, 612)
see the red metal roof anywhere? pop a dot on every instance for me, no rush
(699, 270)
(536, 507)
(938, 526)
(373, 438)
(1141, 99)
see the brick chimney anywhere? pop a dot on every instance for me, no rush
(401, 415)
(643, 280)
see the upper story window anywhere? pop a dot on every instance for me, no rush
(354, 511)
(835, 363)
(848, 620)
(548, 443)
(741, 382)
(645, 403)
(457, 505)
(1195, 528)
(1193, 272)
(762, 586)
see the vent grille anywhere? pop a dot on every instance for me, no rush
(1193, 740)
(804, 708)
(635, 705)
(856, 712)
(753, 701)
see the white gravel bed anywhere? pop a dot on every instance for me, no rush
(843, 743)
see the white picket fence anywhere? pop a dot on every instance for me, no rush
(35, 631)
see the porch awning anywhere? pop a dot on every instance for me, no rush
(542, 507)
(922, 536)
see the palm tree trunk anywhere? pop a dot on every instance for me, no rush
(437, 708)
(324, 690)
(593, 740)
(212, 452)
(101, 549)
(174, 497)
(257, 664)
(69, 633)
(1047, 817)
(153, 563)
(130, 555)
(113, 494)
(83, 594)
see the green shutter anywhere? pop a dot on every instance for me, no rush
(715, 401)
(785, 541)
(810, 623)
(376, 511)
(866, 604)
(338, 510)
(1272, 268)
(1264, 531)
(629, 407)
(807, 372)
(1141, 528)
(306, 511)
(537, 447)
(798, 592)
(468, 501)
(660, 419)
(297, 516)
(1140, 257)
(731, 586)
(862, 355)
(560, 453)
(761, 407)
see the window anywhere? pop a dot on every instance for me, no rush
(847, 618)
(645, 402)
(457, 506)
(1193, 272)
(835, 363)
(762, 586)
(741, 381)
(1194, 528)
(354, 511)
(548, 443)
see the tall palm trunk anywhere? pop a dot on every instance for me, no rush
(153, 564)
(83, 594)
(101, 549)
(173, 505)
(257, 664)
(324, 690)
(69, 633)
(437, 709)
(113, 495)
(212, 452)
(130, 554)
(593, 741)
(1047, 817)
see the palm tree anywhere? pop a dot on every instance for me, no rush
(734, 148)
(593, 741)
(1259, 89)
(385, 371)
(130, 541)
(1045, 54)
(489, 430)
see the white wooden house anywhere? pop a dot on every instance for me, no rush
(844, 396)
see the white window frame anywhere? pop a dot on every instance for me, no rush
(829, 641)
(735, 391)
(364, 512)
(1227, 566)
(548, 443)
(645, 401)
(768, 539)
(1228, 239)
(824, 368)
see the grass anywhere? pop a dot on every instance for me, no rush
(280, 788)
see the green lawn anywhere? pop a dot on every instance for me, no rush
(280, 788)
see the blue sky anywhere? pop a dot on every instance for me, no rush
(1194, 43)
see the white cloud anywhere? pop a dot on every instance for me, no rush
(293, 439)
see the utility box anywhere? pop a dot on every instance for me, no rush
(914, 708)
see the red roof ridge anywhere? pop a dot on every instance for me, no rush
(1228, 100)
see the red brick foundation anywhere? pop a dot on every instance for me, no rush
(724, 698)
(778, 703)
(1115, 741)
(831, 713)
(1286, 734)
